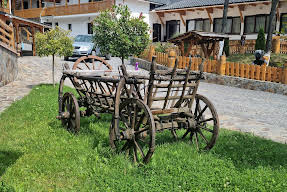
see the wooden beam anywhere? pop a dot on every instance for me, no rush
(266, 3)
(181, 17)
(30, 4)
(209, 11)
(241, 8)
(160, 15)
(22, 4)
(34, 44)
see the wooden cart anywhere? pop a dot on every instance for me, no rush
(141, 105)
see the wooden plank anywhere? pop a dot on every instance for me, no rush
(247, 70)
(171, 98)
(237, 69)
(257, 72)
(274, 74)
(208, 62)
(232, 69)
(269, 73)
(263, 73)
(252, 71)
(180, 62)
(242, 70)
(227, 68)
(174, 85)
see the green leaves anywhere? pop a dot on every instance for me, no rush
(260, 41)
(54, 42)
(120, 34)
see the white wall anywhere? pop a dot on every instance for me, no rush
(217, 13)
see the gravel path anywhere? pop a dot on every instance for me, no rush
(261, 113)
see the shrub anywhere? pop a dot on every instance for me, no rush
(260, 41)
(226, 47)
(163, 47)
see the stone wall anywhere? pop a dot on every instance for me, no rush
(8, 65)
(228, 80)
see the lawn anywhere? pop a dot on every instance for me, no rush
(277, 60)
(37, 154)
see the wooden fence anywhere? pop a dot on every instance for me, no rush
(249, 47)
(7, 34)
(221, 67)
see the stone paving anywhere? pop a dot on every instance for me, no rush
(261, 113)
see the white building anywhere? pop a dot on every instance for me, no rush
(165, 17)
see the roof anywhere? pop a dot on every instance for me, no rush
(199, 37)
(25, 20)
(179, 4)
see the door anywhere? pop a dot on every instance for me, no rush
(156, 35)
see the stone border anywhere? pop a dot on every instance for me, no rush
(8, 65)
(239, 82)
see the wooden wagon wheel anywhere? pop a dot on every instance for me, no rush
(205, 133)
(91, 62)
(137, 131)
(70, 113)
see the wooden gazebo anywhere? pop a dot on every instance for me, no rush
(206, 40)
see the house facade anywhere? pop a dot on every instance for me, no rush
(165, 17)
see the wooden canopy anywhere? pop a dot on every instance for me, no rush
(19, 22)
(206, 40)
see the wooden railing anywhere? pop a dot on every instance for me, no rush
(83, 8)
(3, 9)
(221, 67)
(249, 47)
(7, 34)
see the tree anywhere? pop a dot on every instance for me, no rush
(260, 41)
(226, 47)
(119, 34)
(54, 42)
(271, 25)
(224, 17)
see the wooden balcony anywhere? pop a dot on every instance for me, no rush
(82, 8)
(6, 10)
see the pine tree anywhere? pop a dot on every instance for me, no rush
(260, 41)
(226, 47)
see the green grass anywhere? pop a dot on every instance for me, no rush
(277, 60)
(37, 154)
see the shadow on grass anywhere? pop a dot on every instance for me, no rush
(8, 158)
(247, 151)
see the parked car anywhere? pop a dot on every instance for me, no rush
(84, 46)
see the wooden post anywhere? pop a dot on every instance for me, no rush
(54, 3)
(30, 4)
(247, 67)
(40, 3)
(66, 3)
(151, 53)
(284, 74)
(22, 4)
(237, 69)
(276, 44)
(263, 72)
(221, 65)
(12, 40)
(34, 45)
(227, 68)
(171, 59)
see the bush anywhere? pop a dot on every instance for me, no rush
(260, 41)
(163, 47)
(226, 47)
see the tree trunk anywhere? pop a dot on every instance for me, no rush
(271, 26)
(53, 69)
(123, 60)
(224, 17)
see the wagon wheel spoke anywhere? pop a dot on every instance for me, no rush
(139, 148)
(134, 118)
(79, 68)
(206, 120)
(196, 107)
(141, 130)
(140, 121)
(87, 64)
(93, 62)
(207, 129)
(185, 134)
(135, 155)
(191, 135)
(202, 135)
(126, 145)
(196, 141)
(125, 121)
(201, 112)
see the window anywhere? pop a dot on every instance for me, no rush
(90, 28)
(198, 25)
(190, 25)
(283, 23)
(172, 28)
(56, 24)
(70, 27)
(233, 25)
(254, 23)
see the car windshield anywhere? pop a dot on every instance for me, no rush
(83, 38)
